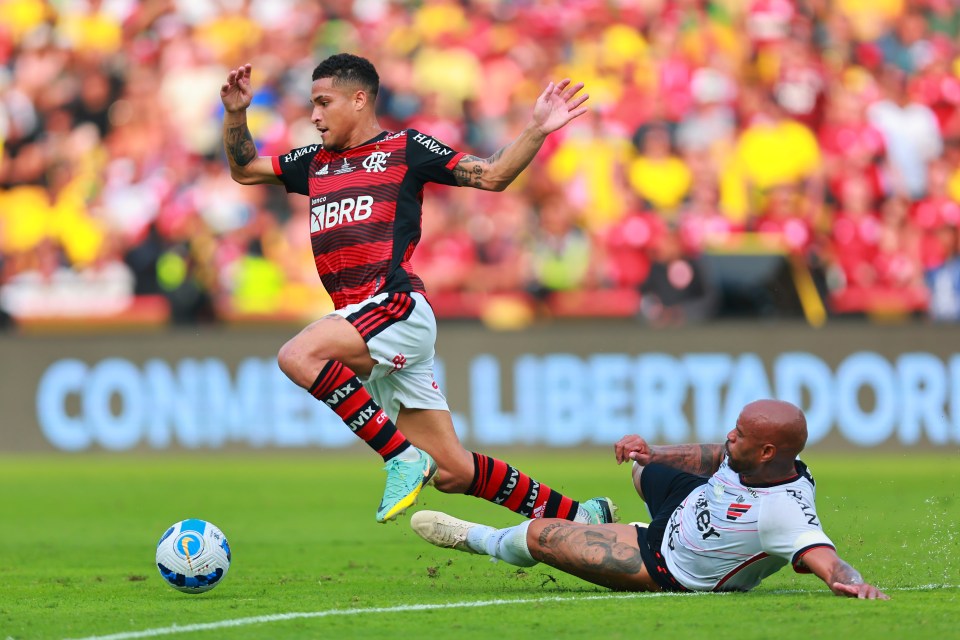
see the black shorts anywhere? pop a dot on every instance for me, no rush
(664, 489)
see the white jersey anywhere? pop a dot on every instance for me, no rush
(727, 536)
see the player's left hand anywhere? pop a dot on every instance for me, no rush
(632, 447)
(558, 105)
(860, 591)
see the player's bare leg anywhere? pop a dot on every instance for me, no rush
(330, 338)
(606, 555)
(636, 472)
(432, 431)
(334, 348)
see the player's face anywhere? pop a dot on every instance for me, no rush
(743, 449)
(335, 112)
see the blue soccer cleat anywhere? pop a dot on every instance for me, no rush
(598, 511)
(405, 480)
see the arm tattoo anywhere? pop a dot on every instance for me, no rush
(845, 574)
(472, 176)
(701, 459)
(239, 144)
(466, 175)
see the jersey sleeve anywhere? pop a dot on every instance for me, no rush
(789, 527)
(431, 160)
(293, 169)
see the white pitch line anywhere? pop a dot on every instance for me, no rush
(281, 617)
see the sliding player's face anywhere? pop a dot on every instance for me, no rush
(336, 111)
(743, 448)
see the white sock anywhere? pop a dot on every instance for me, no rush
(510, 545)
(478, 536)
(410, 454)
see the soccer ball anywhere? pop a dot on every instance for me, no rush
(193, 556)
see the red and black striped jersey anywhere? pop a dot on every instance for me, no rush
(365, 209)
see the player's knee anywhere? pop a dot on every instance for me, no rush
(294, 360)
(288, 358)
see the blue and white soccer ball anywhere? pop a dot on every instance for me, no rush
(193, 556)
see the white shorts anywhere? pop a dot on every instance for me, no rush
(400, 331)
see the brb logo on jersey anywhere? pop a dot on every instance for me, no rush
(376, 162)
(326, 215)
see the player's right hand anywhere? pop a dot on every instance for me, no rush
(236, 93)
(862, 591)
(632, 447)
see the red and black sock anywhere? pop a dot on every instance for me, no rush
(342, 391)
(500, 483)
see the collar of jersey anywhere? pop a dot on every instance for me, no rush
(377, 138)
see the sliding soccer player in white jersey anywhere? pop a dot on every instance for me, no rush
(723, 518)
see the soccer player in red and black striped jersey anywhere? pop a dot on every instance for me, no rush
(371, 360)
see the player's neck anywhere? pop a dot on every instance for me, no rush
(769, 475)
(363, 133)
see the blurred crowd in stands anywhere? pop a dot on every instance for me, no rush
(823, 133)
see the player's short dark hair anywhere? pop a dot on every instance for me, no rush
(348, 68)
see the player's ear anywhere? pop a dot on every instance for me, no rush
(359, 99)
(768, 452)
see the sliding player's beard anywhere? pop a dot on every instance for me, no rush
(735, 464)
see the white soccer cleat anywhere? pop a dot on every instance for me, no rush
(442, 530)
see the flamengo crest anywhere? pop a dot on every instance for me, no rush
(376, 162)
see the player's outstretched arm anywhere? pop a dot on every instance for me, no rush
(842, 578)
(246, 167)
(557, 105)
(701, 459)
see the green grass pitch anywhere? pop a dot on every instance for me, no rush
(78, 534)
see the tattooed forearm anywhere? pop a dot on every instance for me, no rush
(469, 171)
(239, 145)
(845, 574)
(476, 172)
(701, 459)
